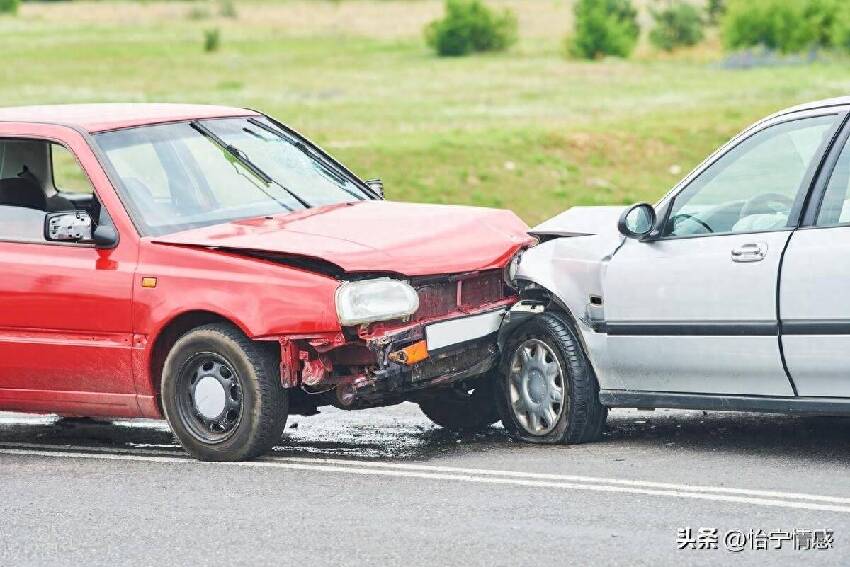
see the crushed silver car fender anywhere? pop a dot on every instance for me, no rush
(580, 242)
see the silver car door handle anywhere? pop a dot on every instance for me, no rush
(752, 252)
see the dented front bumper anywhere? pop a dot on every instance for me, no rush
(447, 351)
(452, 337)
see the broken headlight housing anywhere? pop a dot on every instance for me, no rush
(380, 299)
(512, 267)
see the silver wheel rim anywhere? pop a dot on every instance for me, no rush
(536, 386)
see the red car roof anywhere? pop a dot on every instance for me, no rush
(110, 116)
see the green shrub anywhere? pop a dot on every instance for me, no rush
(840, 32)
(9, 6)
(788, 25)
(676, 25)
(227, 9)
(784, 25)
(714, 10)
(470, 26)
(604, 27)
(212, 40)
(820, 15)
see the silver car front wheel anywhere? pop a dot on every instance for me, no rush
(547, 391)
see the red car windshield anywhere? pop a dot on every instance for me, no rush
(190, 174)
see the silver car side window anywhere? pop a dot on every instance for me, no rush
(753, 186)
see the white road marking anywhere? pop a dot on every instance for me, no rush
(145, 451)
(481, 476)
(577, 478)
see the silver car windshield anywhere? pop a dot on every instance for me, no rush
(191, 174)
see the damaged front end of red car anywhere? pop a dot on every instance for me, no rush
(388, 362)
(404, 299)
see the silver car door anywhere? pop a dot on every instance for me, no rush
(814, 298)
(695, 309)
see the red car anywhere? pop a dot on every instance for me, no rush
(211, 266)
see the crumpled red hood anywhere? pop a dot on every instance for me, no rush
(376, 236)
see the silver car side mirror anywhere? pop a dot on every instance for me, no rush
(637, 221)
(68, 226)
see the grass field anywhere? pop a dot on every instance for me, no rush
(528, 129)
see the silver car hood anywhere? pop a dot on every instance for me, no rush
(581, 221)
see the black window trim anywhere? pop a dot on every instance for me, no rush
(821, 184)
(79, 164)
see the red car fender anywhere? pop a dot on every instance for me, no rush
(266, 300)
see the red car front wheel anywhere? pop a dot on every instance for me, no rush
(222, 395)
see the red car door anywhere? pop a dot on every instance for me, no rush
(65, 308)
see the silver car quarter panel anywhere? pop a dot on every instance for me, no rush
(571, 269)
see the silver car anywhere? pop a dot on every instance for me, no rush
(731, 293)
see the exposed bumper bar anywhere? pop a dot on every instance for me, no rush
(396, 381)
(385, 365)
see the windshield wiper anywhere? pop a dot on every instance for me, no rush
(246, 162)
(337, 176)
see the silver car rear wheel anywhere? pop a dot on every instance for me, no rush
(536, 387)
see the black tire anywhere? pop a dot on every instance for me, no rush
(580, 417)
(254, 377)
(461, 409)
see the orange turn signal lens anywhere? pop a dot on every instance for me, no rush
(148, 282)
(417, 352)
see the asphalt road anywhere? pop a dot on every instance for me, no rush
(385, 487)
